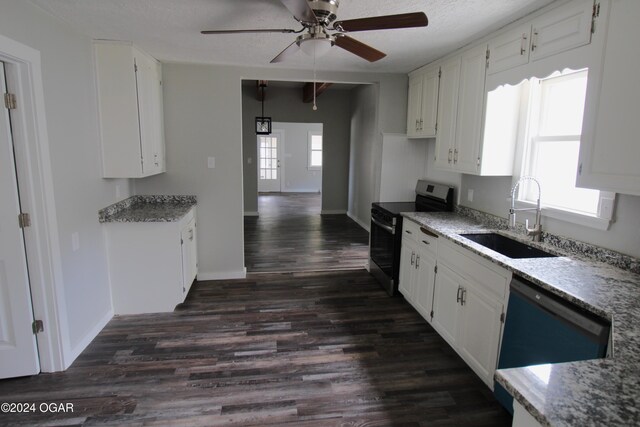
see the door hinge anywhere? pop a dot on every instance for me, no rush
(488, 56)
(10, 101)
(135, 67)
(436, 128)
(580, 169)
(502, 318)
(478, 161)
(24, 220)
(440, 73)
(594, 16)
(435, 269)
(37, 326)
(431, 314)
(181, 242)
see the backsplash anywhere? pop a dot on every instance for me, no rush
(571, 246)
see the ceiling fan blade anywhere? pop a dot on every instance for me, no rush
(286, 53)
(301, 10)
(271, 30)
(387, 22)
(358, 48)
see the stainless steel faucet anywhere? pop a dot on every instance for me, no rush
(536, 231)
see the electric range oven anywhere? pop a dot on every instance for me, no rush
(386, 229)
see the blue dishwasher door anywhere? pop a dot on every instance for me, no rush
(542, 328)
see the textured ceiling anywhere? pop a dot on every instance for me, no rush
(170, 29)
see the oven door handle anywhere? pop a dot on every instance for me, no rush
(388, 228)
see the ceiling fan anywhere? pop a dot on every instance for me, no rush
(317, 18)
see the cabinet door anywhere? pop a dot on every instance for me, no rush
(425, 279)
(609, 149)
(447, 111)
(148, 89)
(189, 256)
(480, 327)
(473, 68)
(407, 269)
(414, 105)
(429, 111)
(510, 49)
(563, 28)
(446, 309)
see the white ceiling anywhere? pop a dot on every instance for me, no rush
(170, 29)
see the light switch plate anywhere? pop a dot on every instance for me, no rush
(211, 162)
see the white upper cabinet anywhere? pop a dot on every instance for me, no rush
(422, 111)
(563, 28)
(510, 49)
(131, 118)
(466, 151)
(447, 112)
(609, 149)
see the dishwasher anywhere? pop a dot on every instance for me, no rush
(543, 328)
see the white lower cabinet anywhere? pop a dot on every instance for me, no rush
(151, 264)
(462, 295)
(417, 268)
(446, 306)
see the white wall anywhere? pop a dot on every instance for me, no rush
(365, 154)
(295, 158)
(79, 191)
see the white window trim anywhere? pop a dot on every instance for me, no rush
(601, 221)
(309, 135)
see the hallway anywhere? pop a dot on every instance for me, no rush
(291, 235)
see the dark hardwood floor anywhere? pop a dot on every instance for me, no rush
(303, 349)
(291, 235)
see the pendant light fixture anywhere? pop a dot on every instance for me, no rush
(263, 124)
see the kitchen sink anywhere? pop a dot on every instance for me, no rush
(508, 247)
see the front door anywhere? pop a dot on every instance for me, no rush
(18, 348)
(269, 172)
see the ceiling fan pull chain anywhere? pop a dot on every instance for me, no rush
(315, 107)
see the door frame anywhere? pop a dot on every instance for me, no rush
(280, 134)
(35, 177)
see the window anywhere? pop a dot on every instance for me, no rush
(268, 152)
(315, 151)
(556, 108)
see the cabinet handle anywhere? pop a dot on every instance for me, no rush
(413, 258)
(408, 231)
(425, 242)
(191, 234)
(428, 233)
(455, 156)
(450, 153)
(421, 122)
(534, 40)
(458, 296)
(417, 127)
(417, 261)
(463, 299)
(523, 45)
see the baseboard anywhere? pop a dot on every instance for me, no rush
(251, 213)
(359, 222)
(84, 343)
(223, 275)
(301, 190)
(334, 212)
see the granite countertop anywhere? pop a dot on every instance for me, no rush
(586, 393)
(148, 209)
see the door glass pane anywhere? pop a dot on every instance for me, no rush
(316, 142)
(316, 158)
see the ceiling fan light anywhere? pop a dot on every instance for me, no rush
(319, 47)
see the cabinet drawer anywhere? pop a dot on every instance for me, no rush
(469, 265)
(424, 238)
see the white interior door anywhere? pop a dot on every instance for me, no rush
(18, 348)
(269, 171)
